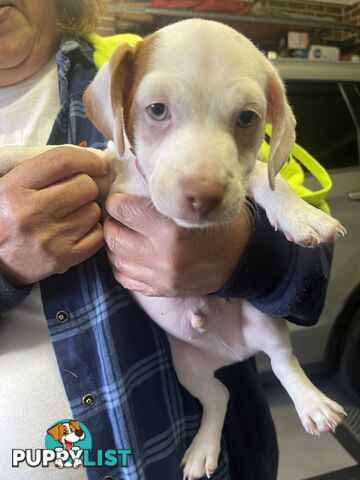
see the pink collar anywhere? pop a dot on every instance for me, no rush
(137, 165)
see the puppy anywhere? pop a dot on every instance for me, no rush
(185, 112)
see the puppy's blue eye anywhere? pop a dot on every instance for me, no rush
(158, 111)
(246, 119)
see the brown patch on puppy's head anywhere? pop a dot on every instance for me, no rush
(109, 97)
(140, 66)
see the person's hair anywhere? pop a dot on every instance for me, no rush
(79, 17)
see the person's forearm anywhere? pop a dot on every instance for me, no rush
(279, 277)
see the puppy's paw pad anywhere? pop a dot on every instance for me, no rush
(321, 415)
(200, 459)
(328, 228)
(306, 225)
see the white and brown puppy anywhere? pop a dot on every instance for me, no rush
(185, 112)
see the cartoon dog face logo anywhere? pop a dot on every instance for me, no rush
(67, 433)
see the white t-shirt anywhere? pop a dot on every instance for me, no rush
(28, 109)
(32, 395)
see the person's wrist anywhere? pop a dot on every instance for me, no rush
(10, 294)
(11, 278)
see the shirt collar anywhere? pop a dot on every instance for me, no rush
(69, 45)
(71, 51)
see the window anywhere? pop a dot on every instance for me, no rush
(325, 126)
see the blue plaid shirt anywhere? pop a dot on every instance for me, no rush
(115, 363)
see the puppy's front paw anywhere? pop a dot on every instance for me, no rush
(306, 225)
(320, 414)
(201, 458)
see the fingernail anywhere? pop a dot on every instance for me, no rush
(106, 166)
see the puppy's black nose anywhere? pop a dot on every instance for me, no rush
(79, 433)
(202, 198)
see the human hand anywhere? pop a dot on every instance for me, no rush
(48, 215)
(152, 255)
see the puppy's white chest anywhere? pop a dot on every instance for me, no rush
(218, 325)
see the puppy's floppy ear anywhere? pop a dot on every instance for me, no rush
(105, 96)
(280, 115)
(75, 424)
(56, 431)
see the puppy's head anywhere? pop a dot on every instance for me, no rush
(193, 100)
(66, 433)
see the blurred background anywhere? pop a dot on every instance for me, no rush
(283, 27)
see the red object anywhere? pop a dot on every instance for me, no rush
(137, 164)
(186, 4)
(223, 6)
(204, 5)
(68, 445)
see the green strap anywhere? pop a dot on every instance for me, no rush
(294, 174)
(104, 46)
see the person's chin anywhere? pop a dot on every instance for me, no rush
(12, 52)
(16, 41)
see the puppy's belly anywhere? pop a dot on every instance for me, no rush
(226, 324)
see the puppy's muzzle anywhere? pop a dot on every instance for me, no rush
(200, 198)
